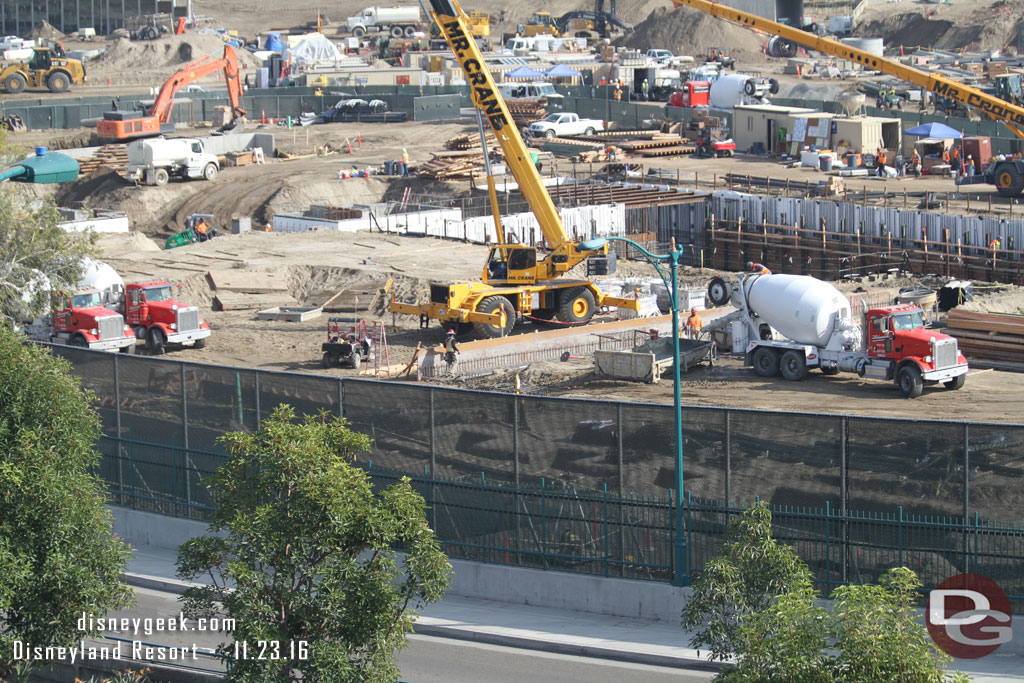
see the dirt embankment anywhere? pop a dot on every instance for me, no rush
(972, 27)
(688, 31)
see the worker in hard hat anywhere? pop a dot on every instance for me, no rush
(694, 324)
(451, 351)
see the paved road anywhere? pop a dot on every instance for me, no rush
(428, 659)
(443, 660)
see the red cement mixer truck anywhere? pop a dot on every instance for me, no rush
(788, 324)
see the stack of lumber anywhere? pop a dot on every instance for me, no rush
(525, 113)
(114, 157)
(241, 290)
(334, 213)
(243, 158)
(988, 336)
(452, 166)
(469, 141)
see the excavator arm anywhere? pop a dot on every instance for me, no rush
(164, 103)
(486, 99)
(1012, 116)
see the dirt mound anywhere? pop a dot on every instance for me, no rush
(690, 31)
(152, 61)
(45, 30)
(989, 28)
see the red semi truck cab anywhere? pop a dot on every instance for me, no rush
(159, 319)
(897, 334)
(692, 94)
(82, 320)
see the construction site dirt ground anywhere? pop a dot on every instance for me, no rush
(311, 266)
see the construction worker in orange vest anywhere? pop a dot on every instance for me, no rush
(758, 268)
(694, 324)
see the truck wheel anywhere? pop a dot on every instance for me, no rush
(157, 341)
(576, 305)
(396, 31)
(588, 131)
(491, 304)
(910, 382)
(359, 31)
(200, 343)
(160, 177)
(956, 383)
(793, 366)
(210, 172)
(130, 349)
(15, 83)
(766, 363)
(79, 340)
(58, 82)
(355, 361)
(773, 86)
(410, 31)
(718, 291)
(749, 88)
(549, 134)
(325, 360)
(1009, 180)
(829, 371)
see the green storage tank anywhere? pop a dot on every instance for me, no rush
(52, 167)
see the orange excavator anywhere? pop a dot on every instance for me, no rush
(127, 125)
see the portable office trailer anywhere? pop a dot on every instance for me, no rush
(865, 134)
(762, 128)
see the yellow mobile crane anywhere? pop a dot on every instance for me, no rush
(1007, 176)
(516, 280)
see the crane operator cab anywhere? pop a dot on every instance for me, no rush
(511, 263)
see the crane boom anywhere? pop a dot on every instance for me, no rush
(1009, 114)
(486, 98)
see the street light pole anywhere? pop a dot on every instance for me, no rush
(681, 575)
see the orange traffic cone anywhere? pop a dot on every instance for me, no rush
(263, 115)
(359, 139)
(349, 145)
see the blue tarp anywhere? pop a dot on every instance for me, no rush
(524, 72)
(934, 130)
(273, 42)
(562, 71)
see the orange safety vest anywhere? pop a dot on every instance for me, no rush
(881, 158)
(945, 155)
(758, 268)
(694, 323)
(202, 227)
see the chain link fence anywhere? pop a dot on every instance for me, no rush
(586, 485)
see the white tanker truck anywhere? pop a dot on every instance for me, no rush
(787, 324)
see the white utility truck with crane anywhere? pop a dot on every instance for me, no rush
(1006, 175)
(788, 324)
(517, 280)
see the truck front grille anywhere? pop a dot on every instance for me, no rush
(439, 294)
(946, 352)
(110, 327)
(188, 319)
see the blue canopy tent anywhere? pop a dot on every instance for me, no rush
(934, 130)
(524, 72)
(562, 71)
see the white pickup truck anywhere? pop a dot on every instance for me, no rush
(562, 124)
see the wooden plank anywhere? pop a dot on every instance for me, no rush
(229, 301)
(243, 281)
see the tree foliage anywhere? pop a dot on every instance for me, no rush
(309, 550)
(33, 243)
(756, 603)
(58, 556)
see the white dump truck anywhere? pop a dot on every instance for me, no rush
(154, 160)
(397, 21)
(788, 324)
